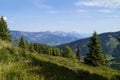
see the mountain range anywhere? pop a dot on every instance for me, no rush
(47, 37)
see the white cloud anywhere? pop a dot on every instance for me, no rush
(105, 11)
(5, 18)
(40, 4)
(11, 20)
(100, 3)
(53, 11)
(81, 11)
(67, 11)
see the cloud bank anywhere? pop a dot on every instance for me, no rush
(99, 3)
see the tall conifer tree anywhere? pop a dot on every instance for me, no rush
(95, 56)
(78, 52)
(31, 47)
(22, 43)
(118, 39)
(4, 31)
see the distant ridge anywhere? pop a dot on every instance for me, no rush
(47, 37)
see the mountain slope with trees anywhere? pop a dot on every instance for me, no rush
(108, 41)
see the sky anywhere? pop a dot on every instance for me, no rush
(83, 16)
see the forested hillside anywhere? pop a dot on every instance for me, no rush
(109, 43)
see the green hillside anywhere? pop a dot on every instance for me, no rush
(20, 64)
(108, 41)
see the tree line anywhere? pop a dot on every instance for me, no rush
(45, 49)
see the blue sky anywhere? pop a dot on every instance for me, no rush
(83, 16)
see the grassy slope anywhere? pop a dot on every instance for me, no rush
(4, 44)
(80, 70)
(34, 66)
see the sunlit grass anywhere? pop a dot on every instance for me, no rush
(24, 65)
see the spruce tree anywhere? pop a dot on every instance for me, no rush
(31, 47)
(95, 56)
(118, 39)
(4, 31)
(78, 52)
(22, 43)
